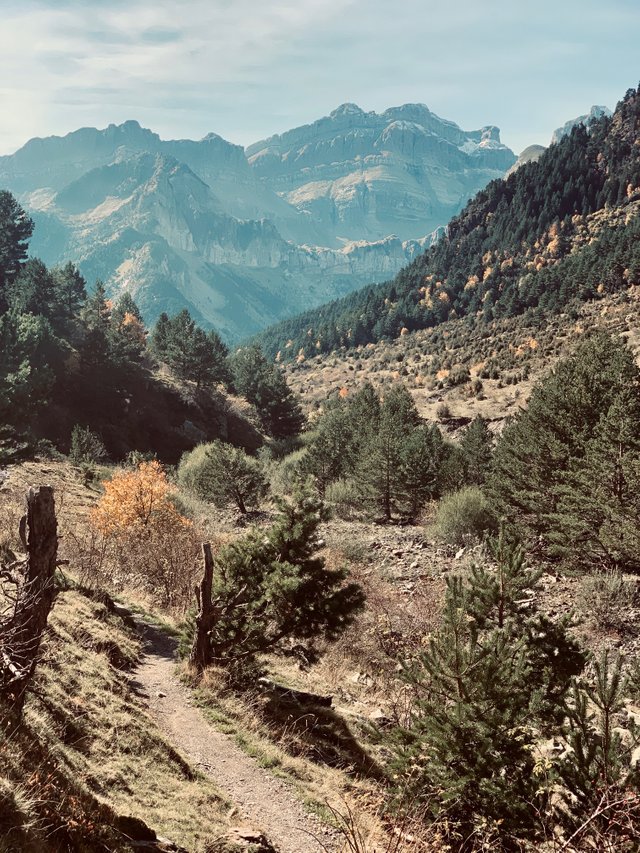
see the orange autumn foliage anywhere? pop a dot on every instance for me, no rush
(137, 499)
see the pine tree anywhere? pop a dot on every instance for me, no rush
(538, 448)
(274, 588)
(329, 456)
(597, 521)
(16, 229)
(381, 471)
(600, 780)
(71, 294)
(264, 386)
(494, 677)
(476, 445)
(468, 756)
(160, 337)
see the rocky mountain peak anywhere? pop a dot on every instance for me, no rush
(347, 109)
(596, 112)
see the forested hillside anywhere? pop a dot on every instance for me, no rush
(562, 228)
(75, 363)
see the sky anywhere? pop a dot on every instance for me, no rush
(246, 69)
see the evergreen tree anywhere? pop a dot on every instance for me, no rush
(494, 675)
(71, 294)
(329, 456)
(30, 355)
(382, 461)
(190, 352)
(16, 229)
(274, 588)
(468, 755)
(33, 291)
(539, 447)
(160, 337)
(600, 782)
(476, 446)
(127, 335)
(264, 386)
(597, 521)
(95, 348)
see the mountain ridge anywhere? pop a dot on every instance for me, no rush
(510, 249)
(226, 241)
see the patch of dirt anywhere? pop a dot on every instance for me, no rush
(263, 800)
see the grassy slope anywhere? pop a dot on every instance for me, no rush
(88, 751)
(519, 352)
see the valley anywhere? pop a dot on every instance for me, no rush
(320, 521)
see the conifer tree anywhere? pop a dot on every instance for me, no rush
(467, 756)
(16, 229)
(274, 588)
(71, 293)
(494, 676)
(160, 337)
(539, 447)
(600, 780)
(382, 463)
(597, 521)
(329, 457)
(264, 386)
(476, 446)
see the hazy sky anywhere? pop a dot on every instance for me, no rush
(249, 68)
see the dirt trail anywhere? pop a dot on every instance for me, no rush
(264, 802)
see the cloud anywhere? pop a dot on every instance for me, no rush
(248, 68)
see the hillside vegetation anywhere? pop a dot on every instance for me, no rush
(560, 229)
(417, 604)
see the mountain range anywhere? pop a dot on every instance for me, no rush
(243, 238)
(562, 228)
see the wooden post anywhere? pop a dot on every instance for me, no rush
(200, 656)
(23, 634)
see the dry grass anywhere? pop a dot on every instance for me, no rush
(507, 358)
(99, 753)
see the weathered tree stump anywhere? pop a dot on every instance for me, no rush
(200, 656)
(22, 635)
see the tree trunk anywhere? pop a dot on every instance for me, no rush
(38, 530)
(200, 656)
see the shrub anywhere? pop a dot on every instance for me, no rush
(345, 498)
(608, 598)
(223, 474)
(86, 446)
(463, 517)
(443, 412)
(152, 547)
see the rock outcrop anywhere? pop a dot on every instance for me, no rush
(594, 113)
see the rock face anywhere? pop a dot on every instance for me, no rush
(594, 113)
(405, 171)
(245, 238)
(530, 154)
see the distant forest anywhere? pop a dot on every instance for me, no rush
(511, 249)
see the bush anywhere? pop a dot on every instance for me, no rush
(345, 498)
(146, 544)
(608, 598)
(223, 474)
(283, 474)
(463, 517)
(86, 446)
(443, 412)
